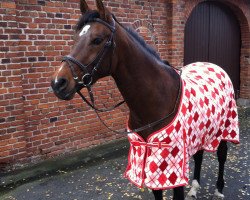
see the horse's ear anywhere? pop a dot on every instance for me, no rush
(102, 10)
(83, 6)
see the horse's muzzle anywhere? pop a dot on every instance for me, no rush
(60, 89)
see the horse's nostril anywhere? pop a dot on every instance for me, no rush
(60, 84)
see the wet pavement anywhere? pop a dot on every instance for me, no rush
(103, 179)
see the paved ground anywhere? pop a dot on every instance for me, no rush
(103, 179)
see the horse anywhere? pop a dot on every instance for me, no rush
(155, 94)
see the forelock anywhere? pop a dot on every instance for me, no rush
(87, 17)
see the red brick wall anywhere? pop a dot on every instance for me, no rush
(12, 118)
(34, 124)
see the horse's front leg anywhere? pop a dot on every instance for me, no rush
(158, 194)
(178, 193)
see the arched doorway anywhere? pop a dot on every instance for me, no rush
(212, 34)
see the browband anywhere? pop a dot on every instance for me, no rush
(111, 27)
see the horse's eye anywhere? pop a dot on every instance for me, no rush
(97, 41)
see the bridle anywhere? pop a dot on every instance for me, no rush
(87, 79)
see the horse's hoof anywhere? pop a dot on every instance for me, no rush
(190, 198)
(217, 195)
(217, 198)
(191, 195)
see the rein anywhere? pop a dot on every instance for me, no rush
(142, 128)
(87, 80)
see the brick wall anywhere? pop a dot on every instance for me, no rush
(12, 118)
(35, 34)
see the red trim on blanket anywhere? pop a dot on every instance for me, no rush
(160, 188)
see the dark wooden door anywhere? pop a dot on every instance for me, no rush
(212, 34)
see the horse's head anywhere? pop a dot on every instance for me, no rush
(91, 56)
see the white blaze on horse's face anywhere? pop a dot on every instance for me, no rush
(56, 79)
(84, 30)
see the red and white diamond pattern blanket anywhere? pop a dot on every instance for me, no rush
(206, 115)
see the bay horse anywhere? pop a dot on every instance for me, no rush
(155, 94)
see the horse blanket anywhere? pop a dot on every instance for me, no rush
(206, 115)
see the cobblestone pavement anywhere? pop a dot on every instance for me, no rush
(104, 180)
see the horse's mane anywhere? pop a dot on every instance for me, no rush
(92, 14)
(142, 42)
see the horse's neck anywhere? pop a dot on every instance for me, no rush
(149, 88)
